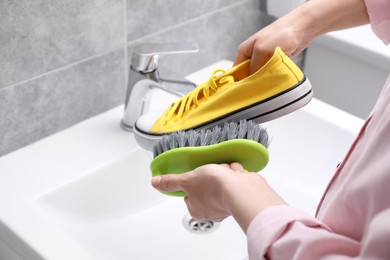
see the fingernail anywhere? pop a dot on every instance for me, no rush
(156, 181)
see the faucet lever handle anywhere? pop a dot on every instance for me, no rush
(146, 55)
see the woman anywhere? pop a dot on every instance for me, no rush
(353, 217)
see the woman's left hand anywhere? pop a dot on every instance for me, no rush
(218, 191)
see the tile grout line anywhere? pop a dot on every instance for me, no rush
(125, 45)
(64, 67)
(125, 39)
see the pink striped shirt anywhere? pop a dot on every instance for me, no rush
(353, 217)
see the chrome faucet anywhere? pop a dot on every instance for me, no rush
(144, 76)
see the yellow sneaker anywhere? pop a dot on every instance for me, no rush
(278, 88)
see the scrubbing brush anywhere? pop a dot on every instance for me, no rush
(182, 151)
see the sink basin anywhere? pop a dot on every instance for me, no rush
(118, 189)
(85, 192)
(114, 213)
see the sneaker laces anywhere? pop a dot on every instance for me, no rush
(190, 101)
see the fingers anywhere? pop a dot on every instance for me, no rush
(254, 50)
(168, 182)
(225, 165)
(260, 56)
(176, 182)
(237, 167)
(233, 166)
(240, 58)
(244, 52)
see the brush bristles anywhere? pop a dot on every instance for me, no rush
(242, 130)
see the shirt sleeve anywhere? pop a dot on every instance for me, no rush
(379, 13)
(283, 232)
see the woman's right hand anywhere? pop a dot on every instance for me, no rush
(284, 33)
(294, 31)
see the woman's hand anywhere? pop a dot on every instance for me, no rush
(294, 31)
(260, 47)
(218, 191)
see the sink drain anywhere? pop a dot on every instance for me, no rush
(199, 226)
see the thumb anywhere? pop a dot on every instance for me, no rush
(167, 182)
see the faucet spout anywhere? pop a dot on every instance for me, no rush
(144, 76)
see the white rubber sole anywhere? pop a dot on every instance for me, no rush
(264, 111)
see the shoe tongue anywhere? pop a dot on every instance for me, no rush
(226, 79)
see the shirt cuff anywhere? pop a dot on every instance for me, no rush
(379, 14)
(270, 224)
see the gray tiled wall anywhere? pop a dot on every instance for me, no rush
(64, 61)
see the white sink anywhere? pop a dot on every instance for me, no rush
(85, 192)
(119, 189)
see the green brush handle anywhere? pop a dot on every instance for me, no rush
(252, 155)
